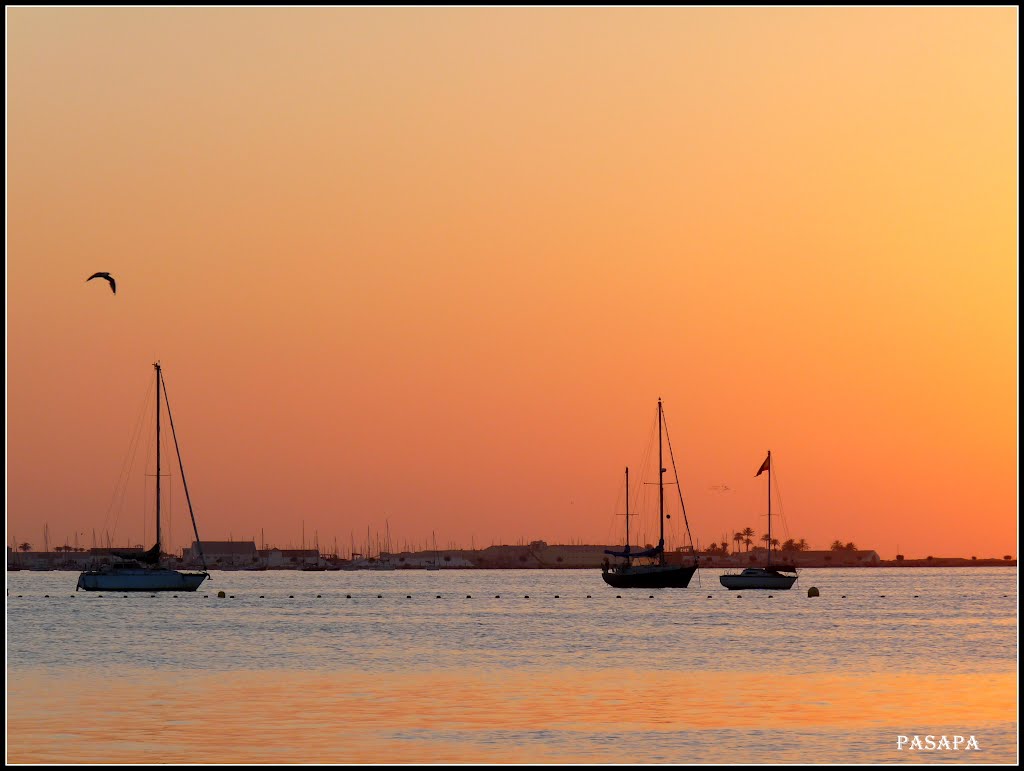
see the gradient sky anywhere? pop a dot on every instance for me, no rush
(430, 269)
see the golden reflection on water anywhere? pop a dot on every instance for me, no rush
(355, 717)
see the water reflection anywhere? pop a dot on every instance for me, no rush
(569, 715)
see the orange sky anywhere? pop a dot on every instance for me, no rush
(434, 266)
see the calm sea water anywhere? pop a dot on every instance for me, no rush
(572, 673)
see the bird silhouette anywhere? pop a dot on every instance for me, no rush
(108, 277)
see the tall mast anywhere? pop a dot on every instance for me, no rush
(157, 368)
(627, 510)
(769, 507)
(661, 493)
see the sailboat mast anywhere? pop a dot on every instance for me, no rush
(157, 368)
(661, 494)
(627, 509)
(769, 507)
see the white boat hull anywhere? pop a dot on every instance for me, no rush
(139, 580)
(761, 579)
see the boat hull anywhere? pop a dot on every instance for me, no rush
(139, 580)
(766, 580)
(653, 577)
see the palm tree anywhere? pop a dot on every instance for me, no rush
(25, 546)
(738, 538)
(802, 545)
(851, 546)
(748, 542)
(725, 547)
(748, 534)
(836, 546)
(775, 543)
(767, 540)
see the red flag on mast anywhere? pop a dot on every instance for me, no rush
(764, 466)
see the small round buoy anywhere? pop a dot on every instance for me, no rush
(290, 596)
(916, 596)
(881, 595)
(770, 596)
(618, 596)
(557, 597)
(174, 596)
(408, 596)
(497, 596)
(46, 595)
(469, 597)
(221, 594)
(438, 597)
(738, 596)
(152, 596)
(349, 596)
(262, 597)
(651, 597)
(380, 596)
(124, 597)
(205, 596)
(813, 592)
(709, 596)
(526, 596)
(844, 597)
(232, 596)
(318, 596)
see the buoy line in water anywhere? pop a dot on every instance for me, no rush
(812, 592)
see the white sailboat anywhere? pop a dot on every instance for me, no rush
(142, 572)
(770, 576)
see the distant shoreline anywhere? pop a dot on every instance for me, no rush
(934, 563)
(537, 555)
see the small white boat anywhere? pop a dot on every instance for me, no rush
(761, 578)
(141, 571)
(770, 576)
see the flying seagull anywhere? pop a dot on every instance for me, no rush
(108, 277)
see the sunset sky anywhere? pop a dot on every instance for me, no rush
(430, 269)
